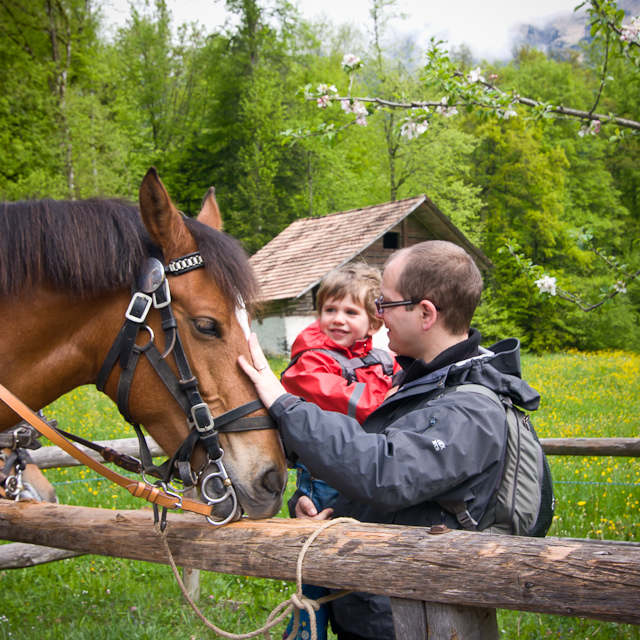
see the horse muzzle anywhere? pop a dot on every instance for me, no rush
(260, 498)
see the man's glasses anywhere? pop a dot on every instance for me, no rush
(381, 305)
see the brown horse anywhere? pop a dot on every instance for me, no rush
(67, 273)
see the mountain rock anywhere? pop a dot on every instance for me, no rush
(564, 32)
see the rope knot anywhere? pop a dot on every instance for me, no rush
(302, 602)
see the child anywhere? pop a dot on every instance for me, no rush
(334, 366)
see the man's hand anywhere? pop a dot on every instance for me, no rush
(267, 384)
(306, 510)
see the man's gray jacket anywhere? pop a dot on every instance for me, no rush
(419, 448)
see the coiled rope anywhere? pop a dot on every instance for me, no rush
(294, 604)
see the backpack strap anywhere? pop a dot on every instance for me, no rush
(459, 508)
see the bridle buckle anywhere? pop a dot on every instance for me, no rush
(202, 418)
(138, 307)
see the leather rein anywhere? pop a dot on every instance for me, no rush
(153, 291)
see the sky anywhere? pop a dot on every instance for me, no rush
(485, 26)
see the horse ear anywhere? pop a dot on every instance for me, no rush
(210, 212)
(160, 217)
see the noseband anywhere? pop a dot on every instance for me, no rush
(153, 290)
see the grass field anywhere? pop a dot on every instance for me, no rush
(593, 395)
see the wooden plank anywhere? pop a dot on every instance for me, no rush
(20, 555)
(409, 619)
(562, 576)
(629, 447)
(53, 457)
(454, 622)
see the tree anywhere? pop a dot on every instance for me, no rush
(453, 90)
(251, 72)
(45, 48)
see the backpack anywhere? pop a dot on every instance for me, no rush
(522, 502)
(349, 365)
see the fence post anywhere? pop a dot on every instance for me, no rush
(418, 620)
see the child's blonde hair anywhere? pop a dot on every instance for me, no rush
(360, 280)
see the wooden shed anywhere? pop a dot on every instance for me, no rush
(291, 266)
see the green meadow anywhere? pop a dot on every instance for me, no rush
(93, 597)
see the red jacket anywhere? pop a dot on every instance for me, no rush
(317, 377)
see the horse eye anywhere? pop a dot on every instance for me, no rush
(207, 326)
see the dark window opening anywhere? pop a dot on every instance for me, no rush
(314, 296)
(390, 240)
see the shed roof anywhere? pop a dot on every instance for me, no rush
(300, 256)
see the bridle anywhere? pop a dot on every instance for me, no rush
(153, 290)
(13, 464)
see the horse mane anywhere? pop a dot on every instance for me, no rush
(87, 246)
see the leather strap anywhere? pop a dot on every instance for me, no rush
(138, 489)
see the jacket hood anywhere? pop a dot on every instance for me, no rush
(497, 368)
(313, 338)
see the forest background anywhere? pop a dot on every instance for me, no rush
(85, 115)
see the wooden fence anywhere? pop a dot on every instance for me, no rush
(457, 579)
(441, 586)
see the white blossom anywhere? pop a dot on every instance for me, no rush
(509, 112)
(547, 284)
(630, 31)
(593, 128)
(620, 286)
(324, 89)
(324, 102)
(412, 129)
(358, 109)
(445, 110)
(350, 62)
(474, 75)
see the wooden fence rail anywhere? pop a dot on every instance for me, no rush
(628, 447)
(562, 576)
(442, 587)
(53, 457)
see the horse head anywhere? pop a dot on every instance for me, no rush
(207, 297)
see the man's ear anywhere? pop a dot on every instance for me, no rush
(429, 314)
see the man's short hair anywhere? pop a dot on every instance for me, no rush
(445, 274)
(360, 280)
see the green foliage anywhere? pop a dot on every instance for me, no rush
(88, 119)
(44, 55)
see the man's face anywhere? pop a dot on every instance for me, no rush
(403, 323)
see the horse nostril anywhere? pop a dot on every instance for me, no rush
(273, 482)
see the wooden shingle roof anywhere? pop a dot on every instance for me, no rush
(300, 256)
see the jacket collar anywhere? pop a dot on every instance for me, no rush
(415, 369)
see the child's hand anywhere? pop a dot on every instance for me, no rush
(306, 510)
(267, 384)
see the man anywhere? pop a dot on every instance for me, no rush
(421, 448)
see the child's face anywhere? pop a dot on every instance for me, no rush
(345, 321)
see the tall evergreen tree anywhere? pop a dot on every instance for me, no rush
(251, 73)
